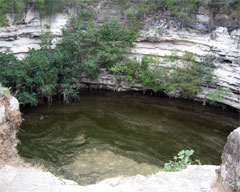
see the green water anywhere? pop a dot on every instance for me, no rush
(107, 134)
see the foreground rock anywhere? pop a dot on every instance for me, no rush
(229, 173)
(10, 120)
(192, 179)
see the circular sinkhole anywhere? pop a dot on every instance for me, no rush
(107, 134)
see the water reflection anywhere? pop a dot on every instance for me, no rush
(106, 135)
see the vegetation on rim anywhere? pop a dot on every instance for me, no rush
(87, 46)
(48, 72)
(131, 10)
(181, 161)
(173, 73)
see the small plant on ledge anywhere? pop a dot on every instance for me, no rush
(181, 161)
(4, 90)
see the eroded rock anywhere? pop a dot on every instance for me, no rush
(229, 172)
(193, 179)
(10, 120)
(2, 113)
(14, 104)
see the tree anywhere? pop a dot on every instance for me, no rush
(183, 9)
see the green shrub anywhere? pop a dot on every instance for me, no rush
(10, 69)
(96, 47)
(181, 161)
(133, 11)
(183, 73)
(217, 96)
(48, 72)
(4, 91)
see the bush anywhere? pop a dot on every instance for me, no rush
(181, 161)
(183, 73)
(12, 73)
(94, 47)
(4, 91)
(47, 72)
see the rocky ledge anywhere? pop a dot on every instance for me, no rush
(193, 179)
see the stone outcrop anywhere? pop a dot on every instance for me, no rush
(21, 38)
(107, 80)
(229, 172)
(221, 43)
(10, 120)
(160, 35)
(193, 179)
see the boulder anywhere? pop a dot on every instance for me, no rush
(14, 104)
(229, 173)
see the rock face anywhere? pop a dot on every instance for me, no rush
(106, 80)
(225, 46)
(10, 119)
(14, 179)
(192, 179)
(220, 43)
(21, 38)
(160, 35)
(229, 172)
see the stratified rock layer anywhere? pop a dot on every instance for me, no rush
(224, 46)
(230, 167)
(160, 35)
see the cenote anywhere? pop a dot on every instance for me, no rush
(108, 134)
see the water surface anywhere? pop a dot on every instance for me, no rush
(107, 134)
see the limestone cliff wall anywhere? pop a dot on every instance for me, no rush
(160, 35)
(223, 44)
(20, 38)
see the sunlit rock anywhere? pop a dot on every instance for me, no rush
(192, 179)
(14, 105)
(2, 113)
(229, 173)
